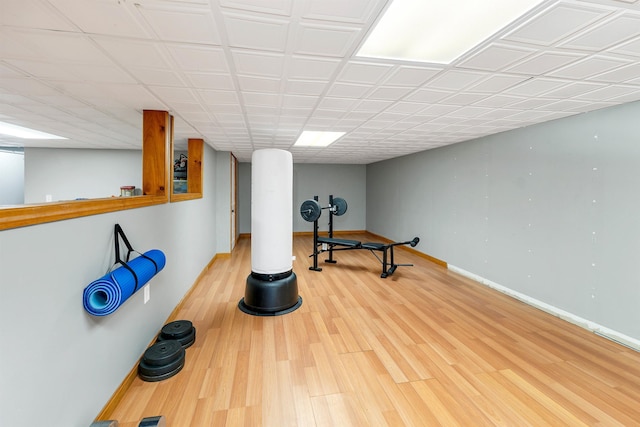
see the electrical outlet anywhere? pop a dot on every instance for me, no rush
(147, 294)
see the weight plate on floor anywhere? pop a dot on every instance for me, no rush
(154, 371)
(177, 329)
(186, 341)
(153, 422)
(154, 378)
(341, 206)
(163, 353)
(310, 210)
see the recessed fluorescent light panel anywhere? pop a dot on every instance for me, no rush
(439, 31)
(25, 133)
(317, 139)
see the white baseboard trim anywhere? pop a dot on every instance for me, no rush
(564, 315)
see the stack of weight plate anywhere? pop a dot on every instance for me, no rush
(162, 360)
(180, 330)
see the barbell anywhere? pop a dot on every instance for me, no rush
(310, 210)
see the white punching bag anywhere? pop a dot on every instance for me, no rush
(272, 287)
(271, 211)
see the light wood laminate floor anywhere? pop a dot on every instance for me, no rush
(423, 347)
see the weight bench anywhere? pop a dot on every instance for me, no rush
(331, 245)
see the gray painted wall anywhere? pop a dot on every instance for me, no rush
(346, 181)
(59, 365)
(549, 211)
(68, 174)
(12, 173)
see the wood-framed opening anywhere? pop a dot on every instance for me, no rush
(195, 149)
(156, 138)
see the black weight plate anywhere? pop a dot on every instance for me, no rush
(163, 353)
(154, 378)
(186, 341)
(341, 206)
(108, 423)
(310, 210)
(153, 422)
(154, 371)
(177, 329)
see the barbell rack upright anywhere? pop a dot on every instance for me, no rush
(315, 243)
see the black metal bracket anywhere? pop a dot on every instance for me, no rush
(117, 233)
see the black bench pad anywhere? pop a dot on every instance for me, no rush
(374, 246)
(341, 242)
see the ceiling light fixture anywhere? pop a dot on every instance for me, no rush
(25, 133)
(439, 31)
(317, 139)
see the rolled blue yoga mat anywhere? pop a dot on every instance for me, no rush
(105, 295)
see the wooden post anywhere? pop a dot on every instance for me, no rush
(194, 170)
(156, 162)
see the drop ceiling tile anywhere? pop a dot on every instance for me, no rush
(356, 11)
(61, 47)
(496, 57)
(565, 105)
(559, 21)
(588, 67)
(463, 98)
(544, 62)
(41, 69)
(373, 105)
(496, 83)
(298, 101)
(33, 14)
(180, 23)
(630, 48)
(27, 87)
(202, 59)
(219, 97)
(499, 101)
(342, 90)
(410, 76)
(533, 103)
(258, 84)
(388, 93)
(102, 17)
(307, 68)
(536, 86)
(134, 53)
(99, 73)
(455, 80)
(251, 32)
(363, 73)
(304, 87)
(622, 74)
(428, 95)
(258, 64)
(611, 93)
(614, 31)
(223, 108)
(573, 89)
(174, 94)
(278, 7)
(325, 40)
(269, 100)
(406, 107)
(210, 81)
(329, 103)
